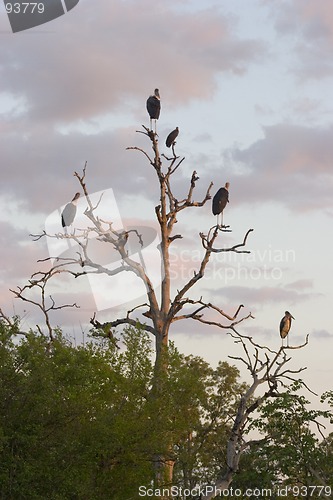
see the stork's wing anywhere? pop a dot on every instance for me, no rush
(153, 107)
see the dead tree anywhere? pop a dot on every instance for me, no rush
(161, 309)
(268, 368)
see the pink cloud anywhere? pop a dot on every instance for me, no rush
(255, 296)
(309, 24)
(284, 164)
(18, 253)
(322, 334)
(112, 55)
(315, 19)
(300, 284)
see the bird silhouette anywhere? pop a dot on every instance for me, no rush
(285, 325)
(170, 140)
(220, 201)
(69, 212)
(154, 107)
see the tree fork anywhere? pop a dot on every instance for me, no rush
(160, 311)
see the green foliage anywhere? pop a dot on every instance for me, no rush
(202, 403)
(67, 417)
(85, 422)
(291, 452)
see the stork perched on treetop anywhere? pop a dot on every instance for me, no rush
(154, 107)
(69, 212)
(285, 325)
(170, 140)
(220, 201)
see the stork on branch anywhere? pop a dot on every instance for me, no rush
(154, 107)
(69, 212)
(170, 140)
(220, 201)
(285, 325)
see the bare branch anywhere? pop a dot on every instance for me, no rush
(122, 321)
(187, 202)
(206, 242)
(6, 319)
(264, 370)
(208, 305)
(45, 304)
(135, 148)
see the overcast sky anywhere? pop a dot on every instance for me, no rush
(249, 84)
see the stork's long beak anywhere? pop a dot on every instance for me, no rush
(292, 316)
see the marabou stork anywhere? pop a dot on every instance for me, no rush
(219, 202)
(69, 212)
(170, 140)
(285, 325)
(154, 107)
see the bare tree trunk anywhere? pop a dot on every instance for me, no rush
(161, 311)
(163, 471)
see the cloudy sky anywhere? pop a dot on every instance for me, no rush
(249, 84)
